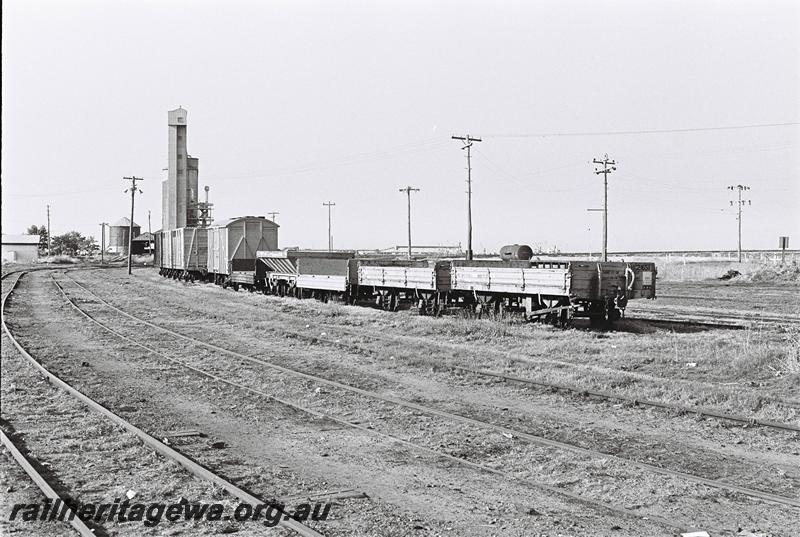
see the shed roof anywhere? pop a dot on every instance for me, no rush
(21, 239)
(124, 222)
(228, 221)
(144, 237)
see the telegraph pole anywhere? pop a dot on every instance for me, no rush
(133, 190)
(149, 234)
(739, 204)
(608, 167)
(408, 190)
(329, 204)
(103, 242)
(48, 230)
(273, 214)
(591, 253)
(468, 145)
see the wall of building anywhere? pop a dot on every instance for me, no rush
(118, 238)
(21, 253)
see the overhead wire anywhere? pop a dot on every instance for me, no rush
(635, 132)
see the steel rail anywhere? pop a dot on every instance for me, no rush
(635, 401)
(76, 523)
(569, 389)
(530, 438)
(67, 513)
(547, 488)
(717, 318)
(598, 394)
(190, 465)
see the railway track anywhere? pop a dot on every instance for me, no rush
(28, 464)
(577, 391)
(509, 432)
(156, 445)
(714, 319)
(619, 511)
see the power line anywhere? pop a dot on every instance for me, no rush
(605, 171)
(357, 158)
(739, 204)
(329, 204)
(48, 230)
(408, 190)
(103, 242)
(654, 131)
(133, 190)
(468, 146)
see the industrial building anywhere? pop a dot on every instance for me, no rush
(142, 244)
(118, 235)
(179, 194)
(20, 248)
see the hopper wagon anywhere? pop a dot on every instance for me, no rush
(304, 273)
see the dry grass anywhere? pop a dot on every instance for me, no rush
(704, 269)
(687, 269)
(791, 362)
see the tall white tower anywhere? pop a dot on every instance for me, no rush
(179, 191)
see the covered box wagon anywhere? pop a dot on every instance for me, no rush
(181, 253)
(233, 245)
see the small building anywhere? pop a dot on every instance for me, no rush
(142, 244)
(118, 235)
(20, 248)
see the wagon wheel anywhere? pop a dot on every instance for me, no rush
(566, 318)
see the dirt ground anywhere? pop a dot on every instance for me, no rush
(476, 455)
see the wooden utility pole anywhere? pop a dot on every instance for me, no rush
(784, 244)
(608, 167)
(591, 253)
(149, 234)
(408, 190)
(329, 204)
(103, 242)
(133, 190)
(468, 145)
(740, 203)
(48, 230)
(273, 214)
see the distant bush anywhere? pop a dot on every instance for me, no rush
(60, 260)
(789, 273)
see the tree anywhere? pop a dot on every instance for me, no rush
(73, 243)
(89, 246)
(42, 232)
(67, 244)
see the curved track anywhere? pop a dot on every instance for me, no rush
(191, 466)
(530, 438)
(369, 430)
(77, 524)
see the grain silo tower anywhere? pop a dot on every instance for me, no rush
(179, 191)
(118, 235)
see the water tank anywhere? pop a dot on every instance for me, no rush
(511, 252)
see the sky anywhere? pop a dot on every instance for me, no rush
(292, 104)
